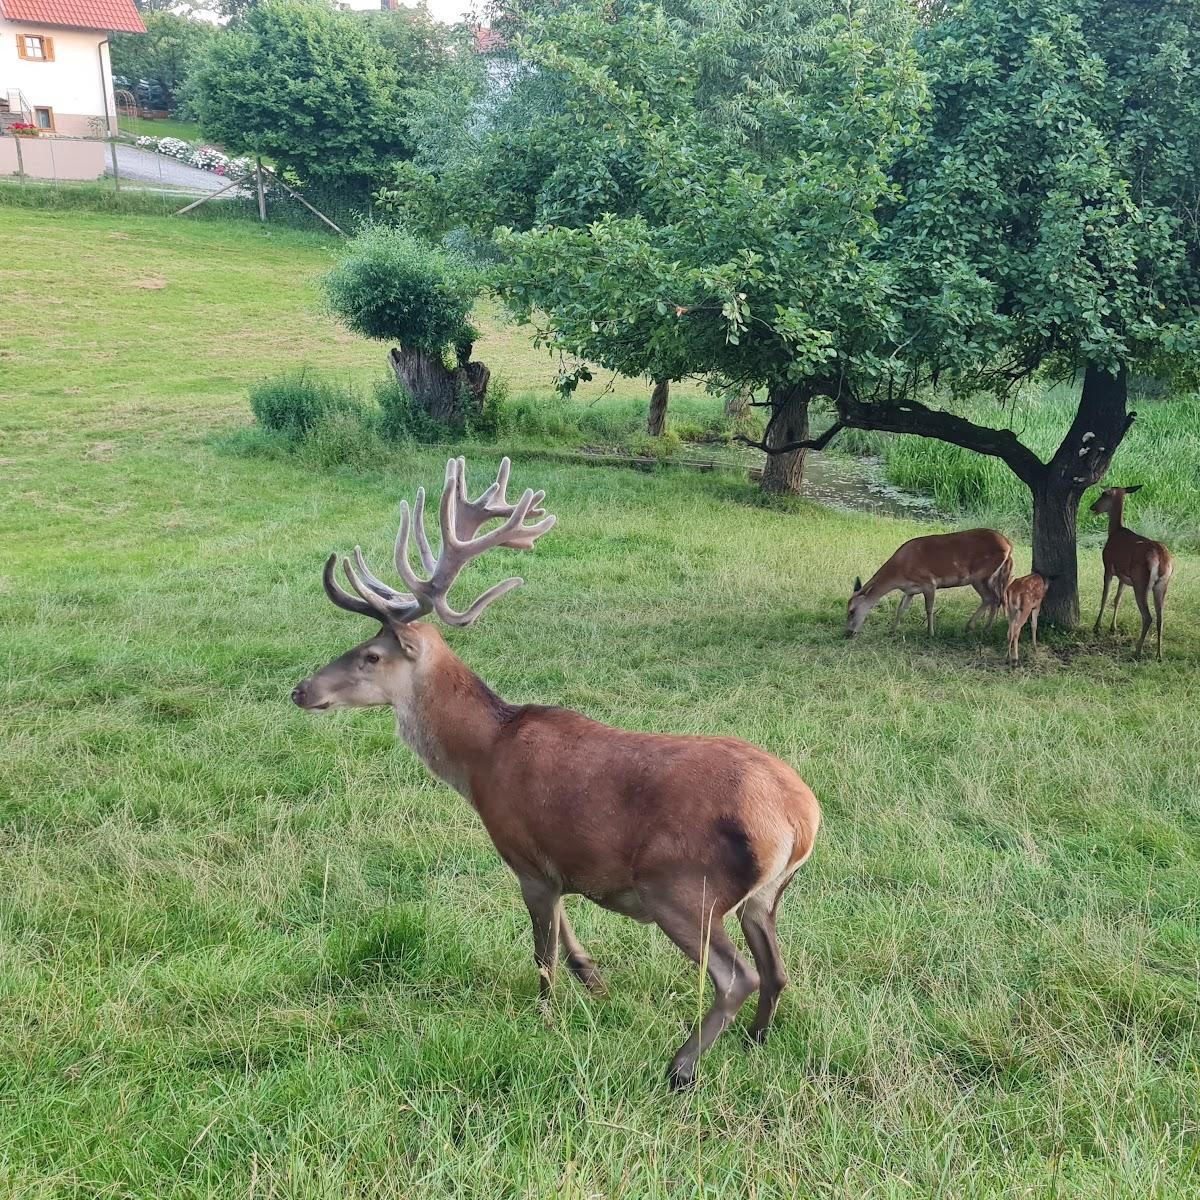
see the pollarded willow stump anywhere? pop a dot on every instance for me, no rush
(448, 396)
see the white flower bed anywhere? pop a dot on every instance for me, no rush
(203, 157)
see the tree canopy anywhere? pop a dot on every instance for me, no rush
(313, 89)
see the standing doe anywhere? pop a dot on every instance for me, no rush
(678, 831)
(981, 558)
(1022, 602)
(1137, 562)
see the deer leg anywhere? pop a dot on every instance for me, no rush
(542, 900)
(1015, 625)
(758, 924)
(578, 959)
(1033, 616)
(1116, 604)
(985, 601)
(901, 608)
(1103, 603)
(1143, 603)
(697, 929)
(929, 595)
(1160, 595)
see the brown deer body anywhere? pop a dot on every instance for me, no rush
(1022, 602)
(678, 831)
(1137, 562)
(978, 558)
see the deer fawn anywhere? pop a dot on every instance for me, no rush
(678, 831)
(1022, 602)
(1137, 562)
(979, 557)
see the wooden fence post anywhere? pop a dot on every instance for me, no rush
(262, 197)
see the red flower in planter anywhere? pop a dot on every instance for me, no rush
(23, 129)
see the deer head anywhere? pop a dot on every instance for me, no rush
(381, 670)
(857, 608)
(1113, 498)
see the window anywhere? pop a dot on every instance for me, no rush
(35, 48)
(43, 118)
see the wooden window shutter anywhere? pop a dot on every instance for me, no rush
(48, 48)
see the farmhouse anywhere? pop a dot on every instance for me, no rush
(55, 75)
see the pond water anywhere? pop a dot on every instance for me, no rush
(856, 484)
(847, 482)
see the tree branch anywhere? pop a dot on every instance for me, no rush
(817, 443)
(911, 416)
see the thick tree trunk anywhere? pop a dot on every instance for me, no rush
(1081, 460)
(784, 473)
(656, 426)
(1055, 514)
(449, 397)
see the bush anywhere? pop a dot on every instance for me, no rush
(346, 437)
(394, 287)
(293, 404)
(400, 419)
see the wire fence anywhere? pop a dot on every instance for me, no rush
(113, 173)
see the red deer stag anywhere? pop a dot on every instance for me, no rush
(1022, 602)
(979, 557)
(1137, 562)
(678, 831)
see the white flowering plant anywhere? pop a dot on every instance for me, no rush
(205, 158)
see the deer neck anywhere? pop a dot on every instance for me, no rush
(450, 719)
(1116, 516)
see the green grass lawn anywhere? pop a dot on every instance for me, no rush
(188, 131)
(246, 951)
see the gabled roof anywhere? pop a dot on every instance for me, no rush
(119, 16)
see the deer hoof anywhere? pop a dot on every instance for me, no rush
(681, 1076)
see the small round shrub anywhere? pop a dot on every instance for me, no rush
(292, 404)
(396, 288)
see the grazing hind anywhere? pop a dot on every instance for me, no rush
(981, 558)
(1138, 563)
(676, 831)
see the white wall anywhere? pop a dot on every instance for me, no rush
(70, 85)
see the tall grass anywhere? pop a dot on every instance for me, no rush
(1161, 451)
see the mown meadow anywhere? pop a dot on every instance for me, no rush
(248, 951)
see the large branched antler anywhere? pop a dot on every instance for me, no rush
(460, 519)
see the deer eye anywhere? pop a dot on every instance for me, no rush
(371, 657)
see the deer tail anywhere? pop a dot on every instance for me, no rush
(1001, 577)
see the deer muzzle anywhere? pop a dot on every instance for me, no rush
(303, 697)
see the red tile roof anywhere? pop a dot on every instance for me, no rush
(116, 15)
(486, 40)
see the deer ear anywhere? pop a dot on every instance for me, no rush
(857, 584)
(405, 638)
(1137, 487)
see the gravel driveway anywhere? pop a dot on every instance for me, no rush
(148, 167)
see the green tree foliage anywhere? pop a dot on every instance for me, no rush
(310, 88)
(166, 52)
(748, 257)
(393, 287)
